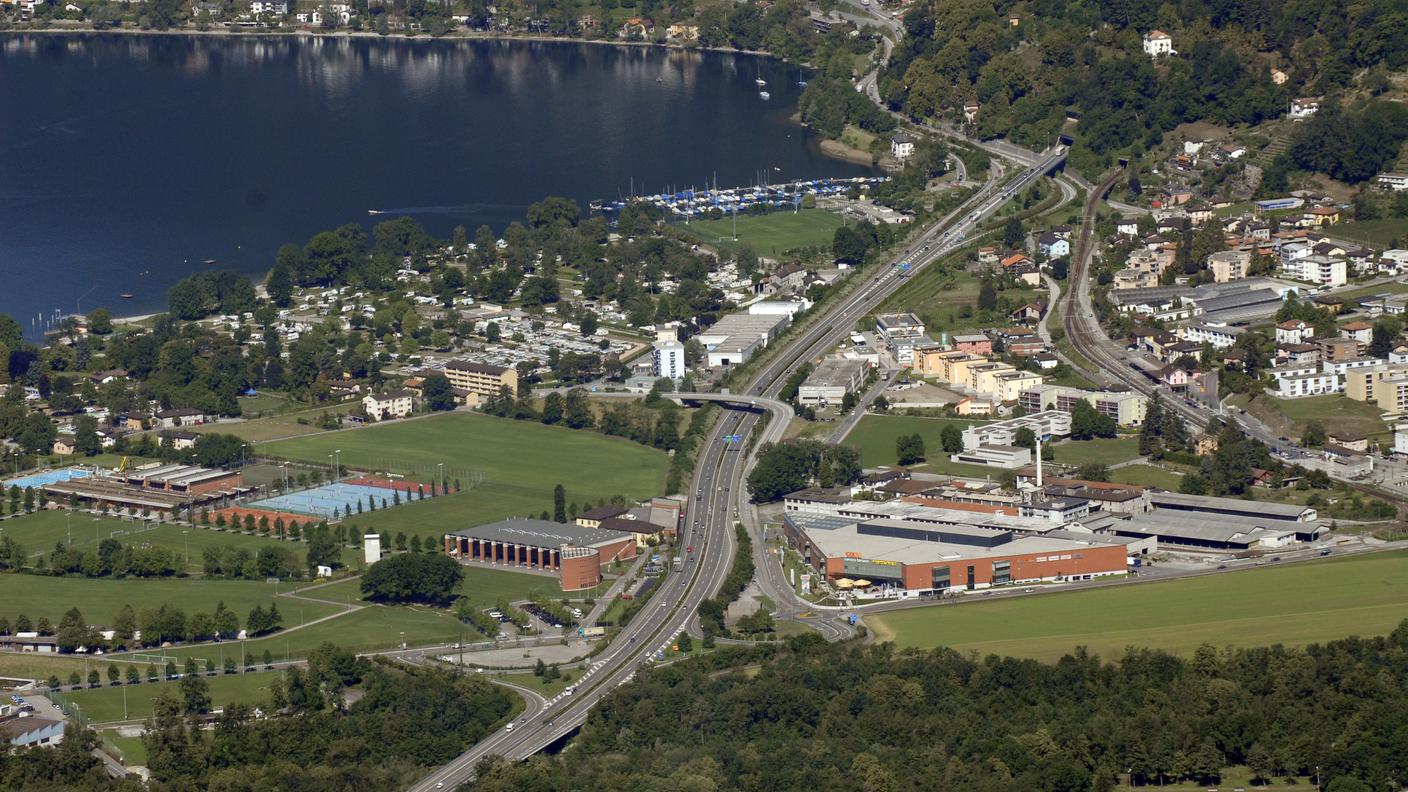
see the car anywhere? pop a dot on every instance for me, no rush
(1221, 566)
(1028, 590)
(567, 690)
(439, 784)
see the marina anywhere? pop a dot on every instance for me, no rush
(788, 195)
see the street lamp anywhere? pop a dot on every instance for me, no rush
(440, 466)
(188, 546)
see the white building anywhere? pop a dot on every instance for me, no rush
(790, 308)
(1045, 425)
(1393, 181)
(1158, 44)
(392, 404)
(1298, 386)
(1303, 108)
(1002, 456)
(1320, 270)
(1400, 439)
(1221, 336)
(902, 146)
(669, 359)
(371, 548)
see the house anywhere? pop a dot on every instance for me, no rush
(970, 112)
(177, 439)
(1360, 331)
(1298, 353)
(902, 146)
(1052, 246)
(1175, 377)
(1324, 215)
(1027, 314)
(682, 33)
(180, 416)
(1127, 227)
(64, 445)
(634, 28)
(975, 343)
(1158, 44)
(1395, 181)
(1279, 77)
(1303, 108)
(1045, 360)
(1350, 440)
(1206, 443)
(1299, 386)
(104, 377)
(1293, 331)
(392, 404)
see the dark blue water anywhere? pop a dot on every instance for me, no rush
(126, 161)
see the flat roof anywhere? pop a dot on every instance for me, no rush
(539, 533)
(833, 372)
(1185, 503)
(1181, 526)
(934, 515)
(837, 542)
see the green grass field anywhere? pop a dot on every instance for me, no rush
(946, 299)
(279, 425)
(771, 234)
(875, 435)
(105, 704)
(1105, 451)
(1335, 413)
(1379, 233)
(101, 599)
(369, 629)
(39, 531)
(520, 461)
(1147, 476)
(1294, 604)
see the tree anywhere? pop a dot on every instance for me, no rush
(1093, 471)
(1086, 422)
(1024, 438)
(1314, 435)
(909, 449)
(559, 504)
(552, 408)
(195, 692)
(951, 438)
(100, 321)
(439, 395)
(1385, 335)
(413, 577)
(114, 675)
(1013, 233)
(987, 296)
(73, 631)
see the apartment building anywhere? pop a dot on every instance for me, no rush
(481, 379)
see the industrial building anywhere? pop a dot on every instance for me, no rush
(831, 380)
(575, 552)
(926, 559)
(1215, 508)
(159, 489)
(736, 337)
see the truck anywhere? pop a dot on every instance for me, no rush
(679, 563)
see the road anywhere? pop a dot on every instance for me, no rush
(718, 496)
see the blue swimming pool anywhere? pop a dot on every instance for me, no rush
(47, 477)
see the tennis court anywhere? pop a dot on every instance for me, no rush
(44, 477)
(341, 497)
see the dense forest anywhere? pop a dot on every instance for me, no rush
(807, 715)
(1028, 64)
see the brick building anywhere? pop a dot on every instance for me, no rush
(577, 553)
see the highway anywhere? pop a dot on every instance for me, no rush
(718, 495)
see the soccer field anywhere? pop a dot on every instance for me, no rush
(1294, 604)
(101, 599)
(770, 234)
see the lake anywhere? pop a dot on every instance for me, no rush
(126, 161)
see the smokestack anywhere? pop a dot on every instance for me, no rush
(1038, 464)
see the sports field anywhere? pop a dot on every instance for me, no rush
(771, 234)
(278, 425)
(39, 531)
(101, 599)
(105, 704)
(368, 629)
(520, 463)
(1293, 604)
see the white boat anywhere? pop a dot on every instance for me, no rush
(764, 94)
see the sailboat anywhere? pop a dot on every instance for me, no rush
(760, 81)
(800, 79)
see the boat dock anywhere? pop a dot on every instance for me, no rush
(688, 203)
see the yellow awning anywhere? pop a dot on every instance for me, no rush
(844, 583)
(861, 583)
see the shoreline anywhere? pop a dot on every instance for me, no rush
(456, 35)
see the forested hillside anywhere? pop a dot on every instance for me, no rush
(844, 718)
(1027, 64)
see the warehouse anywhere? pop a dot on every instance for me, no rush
(1207, 532)
(1206, 507)
(830, 381)
(924, 559)
(576, 552)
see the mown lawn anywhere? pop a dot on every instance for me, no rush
(290, 423)
(1100, 450)
(101, 599)
(372, 628)
(1379, 233)
(105, 704)
(1147, 476)
(1293, 604)
(771, 234)
(876, 434)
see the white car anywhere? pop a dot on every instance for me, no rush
(508, 727)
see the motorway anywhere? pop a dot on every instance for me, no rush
(718, 496)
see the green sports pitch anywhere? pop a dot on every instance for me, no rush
(1294, 604)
